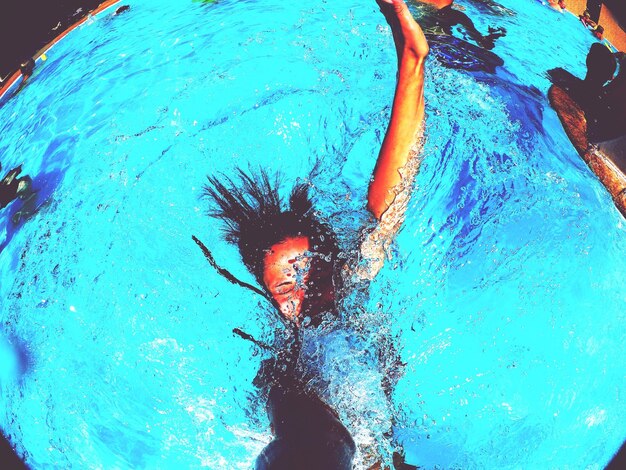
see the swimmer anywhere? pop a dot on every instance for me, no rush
(607, 120)
(555, 4)
(26, 69)
(598, 32)
(601, 98)
(586, 20)
(121, 10)
(13, 187)
(295, 258)
(601, 65)
(596, 29)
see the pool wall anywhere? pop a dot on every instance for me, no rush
(14, 80)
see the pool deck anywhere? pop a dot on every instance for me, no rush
(14, 79)
(612, 30)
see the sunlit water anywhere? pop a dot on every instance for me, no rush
(504, 296)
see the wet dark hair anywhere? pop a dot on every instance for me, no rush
(27, 66)
(255, 218)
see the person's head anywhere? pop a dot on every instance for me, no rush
(290, 252)
(598, 31)
(601, 65)
(121, 10)
(27, 67)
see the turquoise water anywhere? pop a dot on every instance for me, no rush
(504, 295)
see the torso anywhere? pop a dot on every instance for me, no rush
(347, 360)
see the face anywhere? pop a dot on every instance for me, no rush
(286, 274)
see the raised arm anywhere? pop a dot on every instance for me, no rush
(407, 112)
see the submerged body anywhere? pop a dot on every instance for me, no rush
(315, 440)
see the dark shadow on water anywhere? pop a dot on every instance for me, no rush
(525, 104)
(21, 358)
(16, 362)
(455, 53)
(44, 185)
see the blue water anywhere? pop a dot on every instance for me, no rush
(504, 296)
